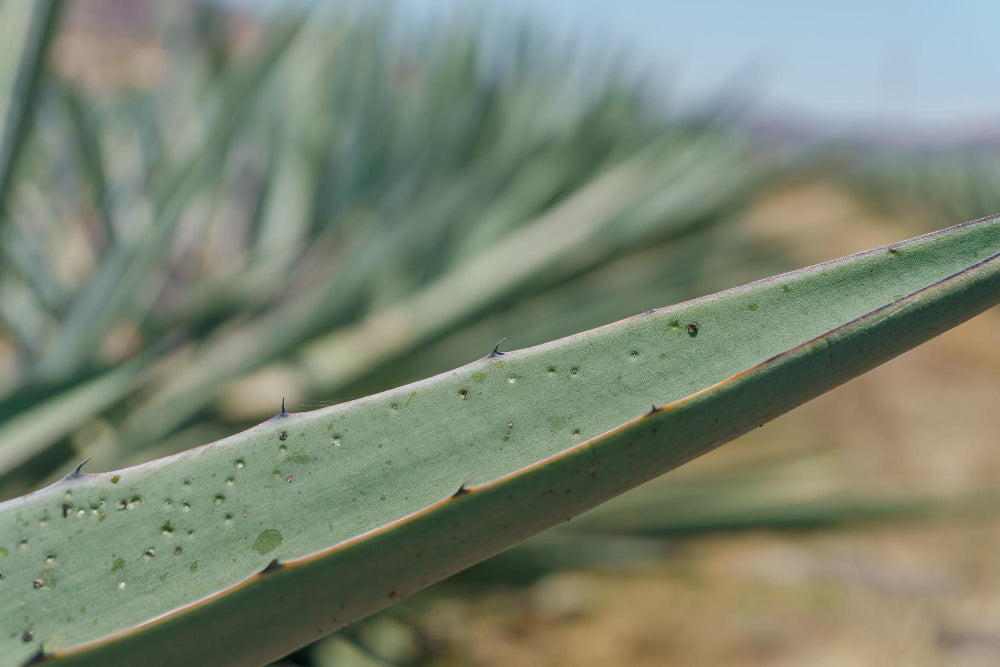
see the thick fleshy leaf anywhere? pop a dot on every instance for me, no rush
(25, 31)
(245, 549)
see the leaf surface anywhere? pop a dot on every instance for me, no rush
(244, 549)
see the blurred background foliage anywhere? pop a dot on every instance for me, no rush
(207, 208)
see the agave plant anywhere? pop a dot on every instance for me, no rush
(176, 259)
(400, 200)
(245, 549)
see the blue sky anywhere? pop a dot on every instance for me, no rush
(915, 66)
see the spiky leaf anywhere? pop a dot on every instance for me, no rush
(244, 549)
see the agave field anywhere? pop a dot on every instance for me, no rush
(307, 213)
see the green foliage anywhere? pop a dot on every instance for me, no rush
(954, 183)
(25, 31)
(330, 209)
(331, 201)
(247, 548)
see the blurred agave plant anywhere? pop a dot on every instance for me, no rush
(954, 182)
(309, 207)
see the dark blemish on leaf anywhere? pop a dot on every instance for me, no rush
(634, 354)
(283, 435)
(37, 583)
(573, 370)
(496, 350)
(65, 509)
(407, 404)
(752, 307)
(178, 551)
(114, 480)
(27, 636)
(193, 567)
(267, 541)
(663, 355)
(653, 410)
(76, 474)
(461, 491)
(273, 566)
(118, 564)
(786, 289)
(693, 329)
(463, 394)
(892, 252)
(593, 471)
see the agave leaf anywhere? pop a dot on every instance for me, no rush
(32, 431)
(594, 224)
(122, 271)
(25, 31)
(245, 549)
